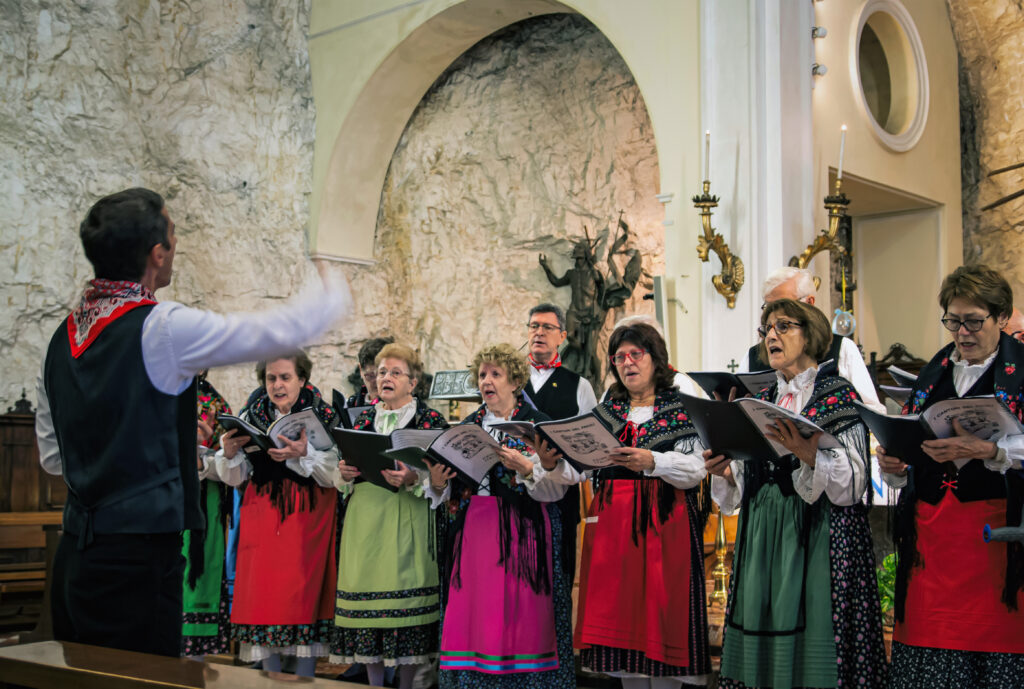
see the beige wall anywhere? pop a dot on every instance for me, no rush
(371, 63)
(899, 270)
(931, 169)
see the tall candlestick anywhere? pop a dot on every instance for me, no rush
(707, 154)
(842, 148)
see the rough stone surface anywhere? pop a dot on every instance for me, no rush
(530, 135)
(533, 134)
(990, 39)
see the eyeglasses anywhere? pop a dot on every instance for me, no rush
(973, 325)
(635, 355)
(781, 327)
(394, 373)
(546, 327)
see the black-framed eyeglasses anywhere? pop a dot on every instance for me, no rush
(973, 325)
(781, 327)
(546, 327)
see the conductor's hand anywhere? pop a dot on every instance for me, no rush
(549, 456)
(348, 472)
(889, 464)
(403, 476)
(963, 445)
(440, 475)
(632, 458)
(785, 433)
(719, 465)
(231, 442)
(293, 449)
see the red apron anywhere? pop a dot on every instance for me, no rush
(287, 569)
(635, 596)
(953, 597)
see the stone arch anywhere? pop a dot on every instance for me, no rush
(343, 224)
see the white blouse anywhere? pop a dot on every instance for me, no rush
(839, 472)
(679, 470)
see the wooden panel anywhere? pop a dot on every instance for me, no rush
(22, 537)
(31, 518)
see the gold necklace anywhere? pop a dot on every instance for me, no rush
(641, 401)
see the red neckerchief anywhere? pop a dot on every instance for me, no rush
(103, 302)
(555, 363)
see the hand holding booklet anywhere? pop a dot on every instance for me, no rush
(466, 448)
(985, 417)
(289, 426)
(737, 429)
(583, 440)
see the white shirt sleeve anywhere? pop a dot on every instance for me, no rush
(322, 465)
(178, 342)
(231, 470)
(585, 397)
(540, 487)
(852, 368)
(728, 496)
(563, 473)
(436, 497)
(46, 437)
(679, 470)
(1010, 454)
(207, 470)
(837, 472)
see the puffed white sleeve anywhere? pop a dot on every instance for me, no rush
(563, 473)
(728, 496)
(231, 470)
(682, 467)
(1010, 454)
(321, 465)
(852, 368)
(436, 497)
(541, 488)
(838, 472)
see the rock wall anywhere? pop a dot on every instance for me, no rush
(990, 39)
(533, 133)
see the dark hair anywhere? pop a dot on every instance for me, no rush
(120, 230)
(817, 331)
(981, 285)
(371, 348)
(646, 337)
(550, 308)
(303, 366)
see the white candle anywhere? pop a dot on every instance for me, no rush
(707, 154)
(842, 148)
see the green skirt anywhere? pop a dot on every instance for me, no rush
(387, 576)
(205, 616)
(779, 631)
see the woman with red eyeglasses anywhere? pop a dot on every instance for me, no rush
(642, 613)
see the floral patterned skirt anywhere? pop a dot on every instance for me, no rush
(395, 646)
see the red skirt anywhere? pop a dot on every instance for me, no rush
(635, 596)
(287, 569)
(953, 597)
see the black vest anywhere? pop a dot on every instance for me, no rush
(128, 451)
(557, 397)
(756, 363)
(973, 481)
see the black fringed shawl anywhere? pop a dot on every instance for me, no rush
(268, 476)
(209, 405)
(514, 502)
(669, 425)
(1005, 379)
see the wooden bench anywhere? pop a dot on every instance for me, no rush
(20, 531)
(60, 664)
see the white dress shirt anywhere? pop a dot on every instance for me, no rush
(178, 342)
(839, 472)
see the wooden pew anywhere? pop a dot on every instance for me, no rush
(60, 664)
(19, 531)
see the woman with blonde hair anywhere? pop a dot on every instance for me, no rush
(387, 601)
(505, 608)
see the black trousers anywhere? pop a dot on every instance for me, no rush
(121, 591)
